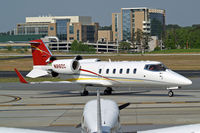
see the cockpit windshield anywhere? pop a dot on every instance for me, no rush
(155, 67)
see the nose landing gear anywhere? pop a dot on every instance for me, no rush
(170, 93)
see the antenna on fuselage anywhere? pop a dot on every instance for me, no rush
(98, 112)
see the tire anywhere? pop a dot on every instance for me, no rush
(85, 93)
(170, 93)
(107, 92)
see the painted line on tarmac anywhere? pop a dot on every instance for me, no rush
(124, 124)
(80, 104)
(14, 98)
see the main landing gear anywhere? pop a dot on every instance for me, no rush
(170, 93)
(85, 92)
(108, 91)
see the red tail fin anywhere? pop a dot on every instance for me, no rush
(40, 52)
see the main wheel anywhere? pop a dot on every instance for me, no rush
(170, 93)
(85, 93)
(108, 91)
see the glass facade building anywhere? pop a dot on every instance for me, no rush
(116, 26)
(61, 28)
(88, 31)
(157, 22)
(71, 29)
(150, 21)
(32, 29)
(54, 26)
(116, 20)
(126, 24)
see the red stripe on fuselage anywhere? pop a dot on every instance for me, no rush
(95, 74)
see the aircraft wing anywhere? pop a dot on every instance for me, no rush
(22, 80)
(193, 128)
(35, 73)
(19, 130)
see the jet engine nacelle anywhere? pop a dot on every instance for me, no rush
(69, 66)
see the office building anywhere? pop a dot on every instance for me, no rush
(150, 21)
(81, 32)
(105, 36)
(59, 26)
(116, 26)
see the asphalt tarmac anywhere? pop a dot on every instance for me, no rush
(58, 107)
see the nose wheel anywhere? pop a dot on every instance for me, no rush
(170, 93)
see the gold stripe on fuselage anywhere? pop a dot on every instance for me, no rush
(78, 79)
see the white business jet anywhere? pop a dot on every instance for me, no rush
(93, 72)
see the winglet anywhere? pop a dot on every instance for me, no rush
(21, 78)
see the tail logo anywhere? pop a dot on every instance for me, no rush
(36, 48)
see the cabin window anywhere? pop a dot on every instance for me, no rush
(134, 71)
(114, 71)
(127, 71)
(120, 71)
(107, 71)
(155, 67)
(100, 71)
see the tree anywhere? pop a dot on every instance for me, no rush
(142, 40)
(105, 27)
(145, 41)
(172, 26)
(138, 37)
(25, 48)
(124, 46)
(183, 37)
(9, 48)
(79, 47)
(169, 40)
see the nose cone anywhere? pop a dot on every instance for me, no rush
(186, 81)
(179, 79)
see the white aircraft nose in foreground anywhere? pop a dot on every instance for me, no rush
(101, 116)
(93, 72)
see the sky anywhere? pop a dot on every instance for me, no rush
(181, 12)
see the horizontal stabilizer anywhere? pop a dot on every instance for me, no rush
(22, 80)
(51, 82)
(35, 73)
